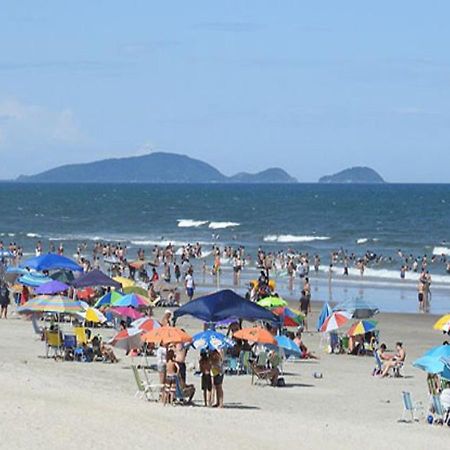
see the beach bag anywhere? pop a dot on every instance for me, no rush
(281, 382)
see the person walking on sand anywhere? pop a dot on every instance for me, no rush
(4, 300)
(189, 283)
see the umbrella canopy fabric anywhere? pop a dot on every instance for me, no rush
(167, 335)
(93, 315)
(433, 365)
(135, 290)
(255, 334)
(288, 344)
(127, 339)
(95, 278)
(443, 324)
(126, 311)
(51, 261)
(324, 314)
(65, 276)
(54, 304)
(52, 287)
(133, 300)
(124, 282)
(146, 324)
(222, 305)
(33, 279)
(109, 298)
(441, 351)
(335, 321)
(272, 302)
(360, 309)
(362, 327)
(211, 340)
(291, 317)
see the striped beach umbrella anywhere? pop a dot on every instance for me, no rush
(108, 299)
(127, 339)
(52, 304)
(146, 324)
(362, 327)
(291, 317)
(443, 324)
(93, 315)
(335, 321)
(133, 300)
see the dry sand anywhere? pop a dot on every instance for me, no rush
(48, 404)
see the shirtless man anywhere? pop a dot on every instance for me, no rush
(395, 362)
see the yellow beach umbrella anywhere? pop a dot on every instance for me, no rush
(125, 282)
(443, 324)
(94, 315)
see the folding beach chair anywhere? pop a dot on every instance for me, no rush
(440, 414)
(80, 333)
(409, 408)
(260, 375)
(378, 364)
(244, 362)
(145, 389)
(53, 342)
(182, 396)
(231, 365)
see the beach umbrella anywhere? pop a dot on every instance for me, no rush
(108, 299)
(33, 279)
(433, 365)
(52, 287)
(166, 335)
(135, 290)
(51, 261)
(362, 327)
(288, 345)
(65, 276)
(146, 324)
(271, 302)
(51, 304)
(127, 339)
(441, 351)
(359, 309)
(6, 254)
(12, 273)
(324, 314)
(125, 282)
(211, 340)
(222, 305)
(335, 321)
(92, 315)
(86, 294)
(255, 334)
(134, 300)
(291, 317)
(125, 311)
(95, 278)
(443, 324)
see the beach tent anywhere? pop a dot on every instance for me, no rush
(50, 261)
(358, 308)
(52, 287)
(95, 278)
(223, 305)
(324, 314)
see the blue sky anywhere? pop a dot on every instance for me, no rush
(312, 87)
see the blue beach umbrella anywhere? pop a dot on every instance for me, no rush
(51, 261)
(326, 311)
(211, 340)
(433, 365)
(34, 279)
(288, 344)
(441, 351)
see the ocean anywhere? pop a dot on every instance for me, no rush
(310, 218)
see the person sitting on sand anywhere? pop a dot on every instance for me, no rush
(108, 353)
(396, 362)
(205, 369)
(305, 353)
(269, 374)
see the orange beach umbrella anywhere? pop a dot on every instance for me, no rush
(255, 334)
(166, 335)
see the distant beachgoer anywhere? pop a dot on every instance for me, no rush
(403, 272)
(205, 369)
(217, 375)
(420, 293)
(190, 284)
(305, 307)
(161, 361)
(172, 371)
(4, 300)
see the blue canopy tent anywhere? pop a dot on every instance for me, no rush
(50, 261)
(326, 311)
(223, 305)
(95, 278)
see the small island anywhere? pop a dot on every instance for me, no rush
(354, 175)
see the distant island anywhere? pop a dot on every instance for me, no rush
(354, 175)
(158, 167)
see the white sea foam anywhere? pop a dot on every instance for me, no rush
(188, 223)
(286, 238)
(161, 243)
(441, 251)
(221, 225)
(362, 241)
(33, 235)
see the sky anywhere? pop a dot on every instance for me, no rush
(312, 87)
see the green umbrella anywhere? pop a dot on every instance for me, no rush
(271, 302)
(135, 290)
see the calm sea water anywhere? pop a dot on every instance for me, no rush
(305, 217)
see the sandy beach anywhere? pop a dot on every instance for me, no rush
(48, 404)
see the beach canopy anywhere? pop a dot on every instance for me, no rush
(223, 305)
(272, 302)
(166, 335)
(33, 279)
(324, 314)
(51, 261)
(359, 309)
(335, 321)
(443, 324)
(108, 299)
(95, 278)
(211, 340)
(362, 327)
(52, 287)
(255, 334)
(51, 304)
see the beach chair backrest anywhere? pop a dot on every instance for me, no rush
(137, 378)
(407, 401)
(70, 341)
(437, 405)
(377, 360)
(53, 339)
(80, 333)
(262, 359)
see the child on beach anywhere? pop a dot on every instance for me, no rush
(205, 369)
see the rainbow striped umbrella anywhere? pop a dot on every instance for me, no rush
(52, 304)
(335, 321)
(362, 327)
(291, 317)
(133, 300)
